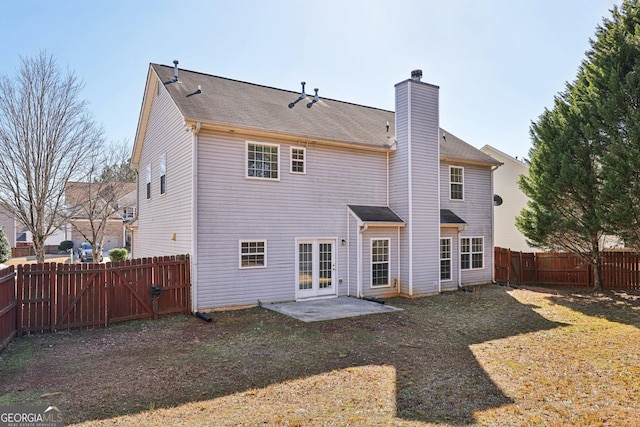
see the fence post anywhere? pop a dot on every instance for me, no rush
(19, 290)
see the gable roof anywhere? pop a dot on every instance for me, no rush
(231, 104)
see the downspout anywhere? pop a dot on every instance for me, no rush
(348, 256)
(410, 190)
(398, 267)
(363, 228)
(194, 218)
(387, 178)
(459, 260)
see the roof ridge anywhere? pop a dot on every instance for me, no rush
(273, 88)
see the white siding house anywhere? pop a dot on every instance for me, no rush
(279, 196)
(511, 200)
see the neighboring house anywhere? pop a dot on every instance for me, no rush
(279, 196)
(510, 200)
(119, 213)
(8, 224)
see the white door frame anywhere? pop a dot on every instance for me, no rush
(322, 278)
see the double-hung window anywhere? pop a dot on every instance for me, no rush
(379, 262)
(471, 253)
(148, 181)
(445, 258)
(253, 253)
(263, 160)
(163, 174)
(456, 183)
(298, 158)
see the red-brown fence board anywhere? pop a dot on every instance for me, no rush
(620, 269)
(8, 306)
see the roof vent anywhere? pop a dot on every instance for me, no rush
(175, 70)
(316, 98)
(416, 75)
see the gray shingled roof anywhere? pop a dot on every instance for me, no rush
(375, 214)
(251, 106)
(448, 217)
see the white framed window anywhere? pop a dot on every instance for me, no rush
(163, 174)
(253, 253)
(456, 183)
(263, 160)
(471, 253)
(380, 262)
(129, 212)
(445, 258)
(298, 160)
(148, 181)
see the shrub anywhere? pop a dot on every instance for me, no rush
(5, 248)
(65, 245)
(118, 254)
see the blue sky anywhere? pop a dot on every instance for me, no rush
(498, 63)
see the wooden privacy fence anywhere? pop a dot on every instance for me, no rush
(8, 306)
(49, 297)
(620, 270)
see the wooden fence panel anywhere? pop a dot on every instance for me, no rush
(130, 283)
(502, 262)
(621, 270)
(559, 268)
(8, 306)
(36, 294)
(172, 274)
(81, 299)
(61, 296)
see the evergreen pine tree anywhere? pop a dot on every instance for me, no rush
(584, 175)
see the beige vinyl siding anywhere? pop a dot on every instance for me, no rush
(232, 208)
(164, 225)
(477, 211)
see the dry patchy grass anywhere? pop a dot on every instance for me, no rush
(499, 356)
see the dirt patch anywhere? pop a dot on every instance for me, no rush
(498, 356)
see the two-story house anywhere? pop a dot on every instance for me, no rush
(279, 195)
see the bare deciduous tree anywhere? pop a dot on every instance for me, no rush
(46, 134)
(93, 203)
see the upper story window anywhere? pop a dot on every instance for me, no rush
(263, 160)
(471, 253)
(298, 159)
(380, 262)
(148, 181)
(163, 174)
(456, 183)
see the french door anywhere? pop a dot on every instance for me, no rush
(315, 268)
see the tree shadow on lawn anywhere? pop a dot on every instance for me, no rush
(438, 379)
(621, 306)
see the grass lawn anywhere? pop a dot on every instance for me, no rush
(495, 357)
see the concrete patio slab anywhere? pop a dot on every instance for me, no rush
(330, 308)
